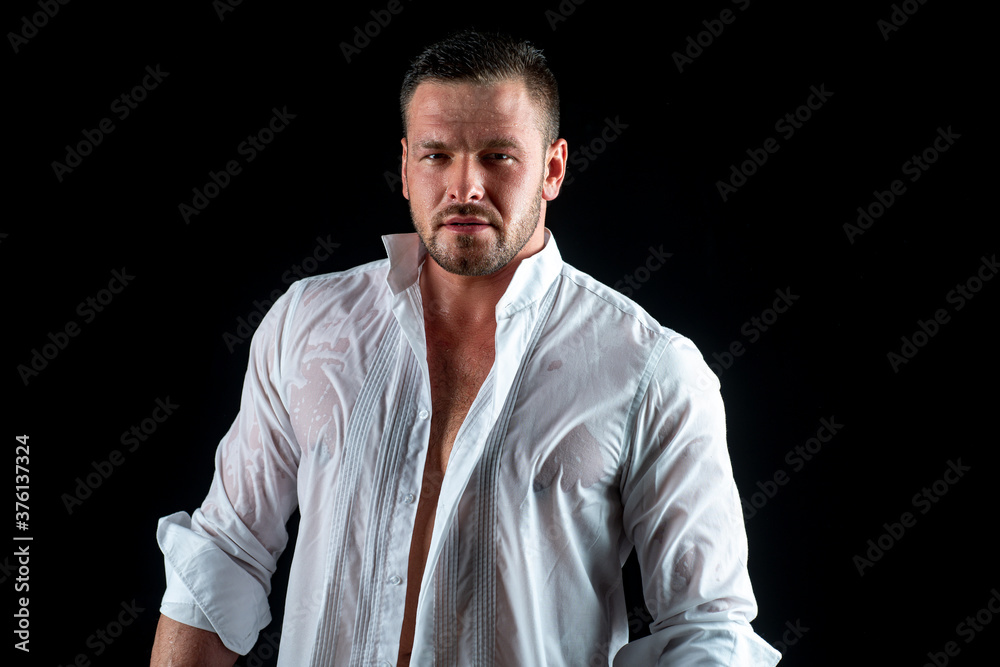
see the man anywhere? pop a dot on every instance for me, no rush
(476, 434)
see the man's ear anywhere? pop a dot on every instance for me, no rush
(555, 169)
(402, 167)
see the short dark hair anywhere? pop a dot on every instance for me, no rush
(487, 58)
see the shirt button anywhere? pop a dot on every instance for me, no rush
(385, 663)
(409, 498)
(395, 580)
(423, 414)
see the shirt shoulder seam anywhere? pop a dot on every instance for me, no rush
(566, 274)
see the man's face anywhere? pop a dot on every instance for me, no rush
(476, 171)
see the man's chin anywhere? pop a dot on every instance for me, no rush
(462, 256)
(466, 266)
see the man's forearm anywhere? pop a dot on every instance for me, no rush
(180, 645)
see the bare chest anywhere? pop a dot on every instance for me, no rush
(456, 375)
(457, 369)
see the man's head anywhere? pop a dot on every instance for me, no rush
(480, 157)
(483, 59)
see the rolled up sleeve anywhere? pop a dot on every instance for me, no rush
(220, 559)
(682, 513)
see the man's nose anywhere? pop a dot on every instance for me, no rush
(465, 181)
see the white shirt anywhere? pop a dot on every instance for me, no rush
(596, 430)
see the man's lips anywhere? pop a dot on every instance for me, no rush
(466, 225)
(465, 222)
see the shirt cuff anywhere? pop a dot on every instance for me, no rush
(207, 589)
(722, 644)
(179, 605)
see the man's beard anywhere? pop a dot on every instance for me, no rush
(470, 255)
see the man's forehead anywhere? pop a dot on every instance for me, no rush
(504, 108)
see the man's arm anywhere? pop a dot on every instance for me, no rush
(219, 560)
(682, 512)
(179, 645)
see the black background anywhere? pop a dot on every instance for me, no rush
(329, 175)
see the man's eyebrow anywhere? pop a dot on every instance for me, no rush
(502, 142)
(496, 142)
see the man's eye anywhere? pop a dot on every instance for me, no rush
(499, 156)
(435, 156)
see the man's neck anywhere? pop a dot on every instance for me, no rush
(454, 302)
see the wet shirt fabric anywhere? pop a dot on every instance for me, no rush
(596, 430)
